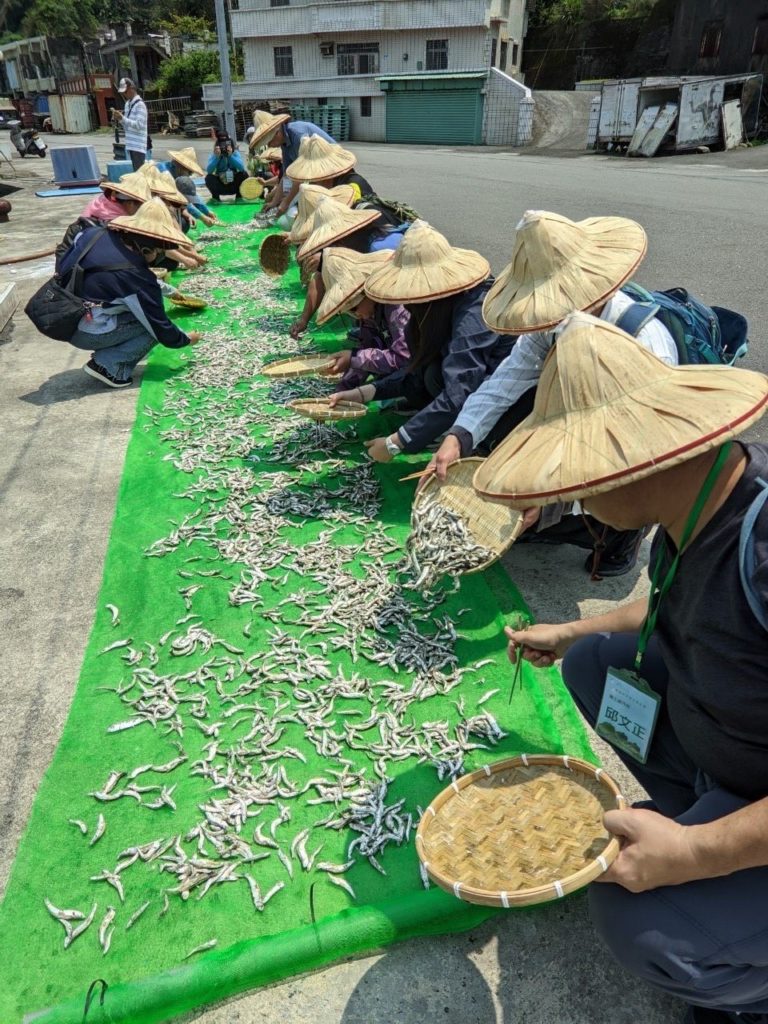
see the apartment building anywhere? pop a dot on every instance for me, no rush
(406, 70)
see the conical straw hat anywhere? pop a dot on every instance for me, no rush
(147, 169)
(266, 125)
(318, 160)
(332, 222)
(560, 265)
(162, 184)
(344, 275)
(153, 220)
(309, 197)
(426, 267)
(187, 158)
(134, 186)
(272, 154)
(608, 412)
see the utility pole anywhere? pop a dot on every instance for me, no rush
(226, 74)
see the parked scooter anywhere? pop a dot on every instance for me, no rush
(27, 140)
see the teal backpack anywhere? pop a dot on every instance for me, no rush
(702, 334)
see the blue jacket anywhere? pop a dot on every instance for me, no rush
(219, 165)
(471, 354)
(136, 283)
(294, 132)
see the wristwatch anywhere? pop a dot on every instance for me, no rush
(392, 447)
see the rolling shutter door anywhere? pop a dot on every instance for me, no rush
(438, 117)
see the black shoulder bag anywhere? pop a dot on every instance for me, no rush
(56, 308)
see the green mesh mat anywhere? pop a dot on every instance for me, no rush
(310, 921)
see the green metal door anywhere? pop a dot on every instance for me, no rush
(449, 115)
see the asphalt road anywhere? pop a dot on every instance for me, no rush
(60, 463)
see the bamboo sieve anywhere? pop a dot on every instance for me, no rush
(251, 189)
(274, 255)
(319, 410)
(493, 524)
(308, 365)
(525, 830)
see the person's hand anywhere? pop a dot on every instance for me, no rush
(194, 337)
(531, 516)
(217, 150)
(542, 645)
(191, 219)
(298, 327)
(208, 220)
(377, 449)
(354, 395)
(655, 851)
(117, 114)
(448, 453)
(341, 361)
(283, 236)
(282, 208)
(312, 263)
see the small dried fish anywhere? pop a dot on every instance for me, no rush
(101, 828)
(115, 613)
(136, 915)
(106, 929)
(201, 948)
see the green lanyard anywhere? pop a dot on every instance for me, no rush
(658, 591)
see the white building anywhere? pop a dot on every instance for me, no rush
(406, 70)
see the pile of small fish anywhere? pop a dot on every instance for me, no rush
(440, 544)
(243, 723)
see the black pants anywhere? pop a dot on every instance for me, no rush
(137, 158)
(704, 941)
(219, 188)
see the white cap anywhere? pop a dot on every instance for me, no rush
(125, 84)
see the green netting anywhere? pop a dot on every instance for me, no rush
(310, 922)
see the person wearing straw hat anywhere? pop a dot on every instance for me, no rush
(163, 186)
(196, 208)
(125, 316)
(184, 161)
(116, 199)
(558, 265)
(281, 131)
(381, 343)
(332, 223)
(677, 684)
(451, 350)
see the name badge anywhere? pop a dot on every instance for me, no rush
(628, 713)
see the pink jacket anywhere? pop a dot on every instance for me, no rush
(103, 209)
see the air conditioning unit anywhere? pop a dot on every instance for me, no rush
(326, 49)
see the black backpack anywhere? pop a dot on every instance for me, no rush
(56, 308)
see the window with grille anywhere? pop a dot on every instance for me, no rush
(494, 43)
(283, 61)
(437, 54)
(710, 39)
(357, 58)
(760, 43)
(503, 55)
(515, 53)
(365, 106)
(278, 3)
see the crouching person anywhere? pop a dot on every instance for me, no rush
(125, 316)
(677, 684)
(380, 345)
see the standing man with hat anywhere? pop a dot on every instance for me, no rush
(677, 685)
(134, 119)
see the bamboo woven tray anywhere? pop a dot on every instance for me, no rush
(274, 255)
(525, 830)
(493, 524)
(308, 365)
(251, 188)
(189, 302)
(161, 273)
(319, 410)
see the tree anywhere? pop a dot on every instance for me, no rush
(65, 19)
(188, 25)
(185, 74)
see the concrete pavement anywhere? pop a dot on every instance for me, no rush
(60, 462)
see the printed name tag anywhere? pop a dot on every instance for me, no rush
(628, 713)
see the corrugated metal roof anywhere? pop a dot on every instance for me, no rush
(431, 75)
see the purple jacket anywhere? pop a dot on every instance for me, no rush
(382, 348)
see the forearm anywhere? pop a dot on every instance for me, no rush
(289, 197)
(627, 618)
(733, 843)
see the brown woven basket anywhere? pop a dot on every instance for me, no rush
(525, 830)
(311, 364)
(274, 255)
(189, 302)
(319, 410)
(251, 189)
(493, 524)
